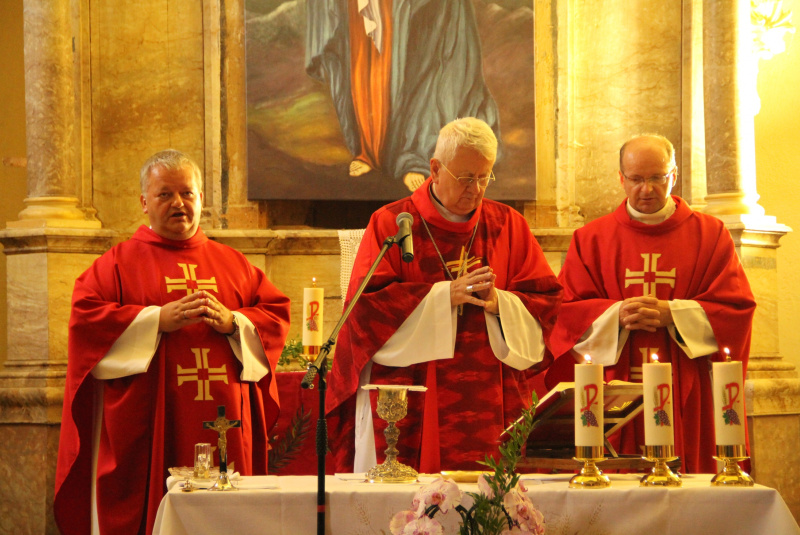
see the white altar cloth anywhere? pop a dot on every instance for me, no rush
(355, 507)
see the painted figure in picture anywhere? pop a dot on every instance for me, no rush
(398, 70)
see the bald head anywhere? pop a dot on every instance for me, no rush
(651, 143)
(647, 172)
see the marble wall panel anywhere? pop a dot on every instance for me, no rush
(28, 324)
(760, 264)
(773, 465)
(27, 478)
(40, 294)
(625, 74)
(63, 270)
(147, 95)
(259, 261)
(555, 259)
(293, 273)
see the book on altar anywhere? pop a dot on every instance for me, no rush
(554, 419)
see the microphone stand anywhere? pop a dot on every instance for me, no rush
(320, 367)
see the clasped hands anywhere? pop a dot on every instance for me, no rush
(645, 313)
(200, 306)
(476, 288)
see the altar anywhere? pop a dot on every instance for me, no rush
(286, 505)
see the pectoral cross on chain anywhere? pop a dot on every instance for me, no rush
(461, 266)
(221, 426)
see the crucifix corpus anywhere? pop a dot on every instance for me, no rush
(221, 426)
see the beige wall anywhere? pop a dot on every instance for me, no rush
(777, 141)
(12, 135)
(777, 129)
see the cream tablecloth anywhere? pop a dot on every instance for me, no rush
(358, 508)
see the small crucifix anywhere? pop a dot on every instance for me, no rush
(221, 426)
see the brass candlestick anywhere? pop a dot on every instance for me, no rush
(590, 477)
(660, 475)
(732, 475)
(392, 407)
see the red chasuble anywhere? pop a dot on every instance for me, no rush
(152, 420)
(473, 396)
(689, 256)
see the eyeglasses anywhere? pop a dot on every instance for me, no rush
(467, 181)
(656, 180)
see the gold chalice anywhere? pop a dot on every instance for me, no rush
(392, 407)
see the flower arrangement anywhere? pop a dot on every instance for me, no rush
(500, 507)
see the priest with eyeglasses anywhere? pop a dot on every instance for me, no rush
(467, 318)
(655, 277)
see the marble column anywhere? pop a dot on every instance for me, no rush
(729, 87)
(55, 238)
(772, 387)
(51, 116)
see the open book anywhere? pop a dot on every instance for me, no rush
(554, 419)
(561, 387)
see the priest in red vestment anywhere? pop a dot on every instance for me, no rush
(165, 327)
(467, 318)
(655, 277)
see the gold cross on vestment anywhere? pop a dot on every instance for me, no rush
(190, 282)
(221, 426)
(649, 277)
(463, 264)
(202, 373)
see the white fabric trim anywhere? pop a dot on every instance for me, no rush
(249, 350)
(132, 352)
(421, 338)
(429, 333)
(520, 343)
(603, 340)
(365, 455)
(97, 422)
(653, 219)
(692, 322)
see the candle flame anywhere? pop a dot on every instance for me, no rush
(313, 282)
(654, 357)
(727, 354)
(587, 358)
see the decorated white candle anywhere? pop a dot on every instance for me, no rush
(588, 403)
(728, 408)
(657, 391)
(312, 315)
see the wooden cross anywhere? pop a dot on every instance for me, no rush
(221, 426)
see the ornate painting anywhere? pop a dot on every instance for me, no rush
(345, 98)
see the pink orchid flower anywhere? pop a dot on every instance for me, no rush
(400, 520)
(442, 492)
(423, 526)
(521, 510)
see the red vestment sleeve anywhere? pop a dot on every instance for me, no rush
(96, 321)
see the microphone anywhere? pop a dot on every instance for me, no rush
(404, 221)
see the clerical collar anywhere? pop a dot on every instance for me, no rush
(656, 217)
(444, 212)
